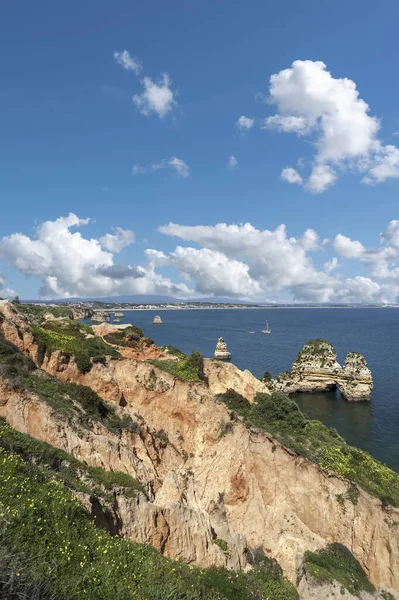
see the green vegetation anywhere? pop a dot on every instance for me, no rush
(49, 537)
(223, 545)
(315, 348)
(35, 312)
(77, 402)
(173, 351)
(74, 474)
(190, 368)
(130, 337)
(70, 338)
(266, 377)
(335, 562)
(281, 417)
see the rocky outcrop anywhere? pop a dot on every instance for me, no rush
(223, 376)
(221, 352)
(316, 369)
(100, 316)
(157, 320)
(248, 488)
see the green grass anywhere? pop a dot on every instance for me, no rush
(337, 563)
(69, 337)
(190, 368)
(74, 474)
(173, 351)
(49, 532)
(35, 312)
(78, 403)
(130, 337)
(281, 417)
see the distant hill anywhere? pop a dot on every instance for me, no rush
(146, 299)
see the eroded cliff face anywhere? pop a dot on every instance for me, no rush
(316, 370)
(248, 489)
(223, 376)
(173, 528)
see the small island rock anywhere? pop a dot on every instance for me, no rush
(221, 352)
(157, 320)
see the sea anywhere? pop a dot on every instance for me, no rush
(372, 426)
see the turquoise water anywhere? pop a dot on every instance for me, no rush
(374, 332)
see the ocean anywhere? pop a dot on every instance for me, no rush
(372, 426)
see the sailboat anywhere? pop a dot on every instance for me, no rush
(267, 330)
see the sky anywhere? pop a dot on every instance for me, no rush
(235, 149)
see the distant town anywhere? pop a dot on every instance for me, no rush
(94, 305)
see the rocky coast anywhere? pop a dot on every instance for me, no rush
(228, 465)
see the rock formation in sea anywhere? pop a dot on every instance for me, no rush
(316, 369)
(100, 316)
(221, 352)
(157, 320)
(217, 489)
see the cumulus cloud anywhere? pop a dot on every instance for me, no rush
(69, 264)
(282, 265)
(157, 98)
(128, 62)
(321, 177)
(291, 175)
(177, 164)
(223, 259)
(232, 163)
(311, 102)
(245, 123)
(117, 241)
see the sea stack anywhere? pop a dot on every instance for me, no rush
(316, 369)
(221, 352)
(157, 320)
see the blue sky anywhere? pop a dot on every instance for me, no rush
(71, 134)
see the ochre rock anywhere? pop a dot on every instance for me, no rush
(316, 370)
(234, 483)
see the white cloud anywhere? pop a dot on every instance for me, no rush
(348, 248)
(289, 124)
(214, 272)
(310, 101)
(235, 260)
(321, 177)
(179, 165)
(128, 62)
(157, 97)
(5, 292)
(70, 265)
(331, 265)
(245, 123)
(391, 234)
(291, 175)
(384, 165)
(118, 241)
(232, 163)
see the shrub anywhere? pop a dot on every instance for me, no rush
(190, 368)
(69, 337)
(337, 563)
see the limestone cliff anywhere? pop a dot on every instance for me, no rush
(316, 369)
(212, 481)
(223, 376)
